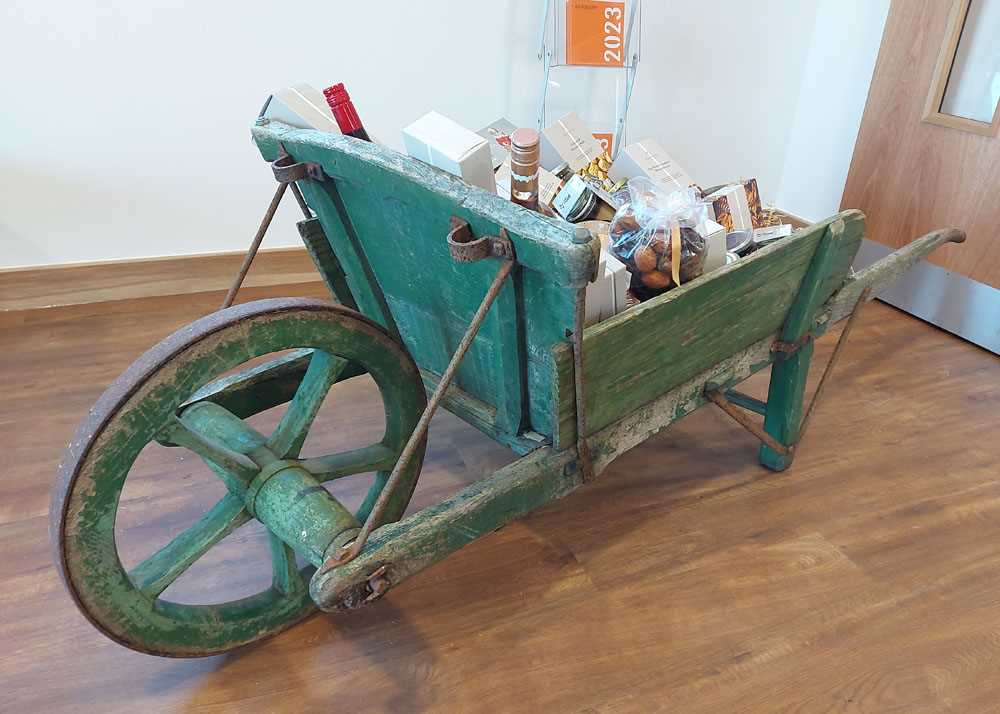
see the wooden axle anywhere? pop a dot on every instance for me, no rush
(282, 495)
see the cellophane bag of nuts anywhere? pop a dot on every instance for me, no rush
(646, 230)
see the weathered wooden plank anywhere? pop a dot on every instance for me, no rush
(324, 198)
(396, 211)
(790, 372)
(258, 388)
(326, 262)
(883, 273)
(807, 300)
(542, 244)
(480, 415)
(644, 352)
(509, 371)
(785, 393)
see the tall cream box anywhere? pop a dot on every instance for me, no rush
(607, 295)
(301, 106)
(441, 142)
(715, 245)
(647, 158)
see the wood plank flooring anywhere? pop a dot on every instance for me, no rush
(688, 579)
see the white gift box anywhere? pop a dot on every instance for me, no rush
(647, 158)
(572, 141)
(446, 144)
(303, 107)
(715, 242)
(606, 296)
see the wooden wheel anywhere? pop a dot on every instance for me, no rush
(152, 401)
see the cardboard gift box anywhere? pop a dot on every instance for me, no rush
(569, 141)
(715, 244)
(607, 295)
(301, 106)
(448, 145)
(647, 158)
(731, 208)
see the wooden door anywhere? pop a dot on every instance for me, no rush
(925, 158)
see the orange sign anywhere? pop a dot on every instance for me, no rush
(606, 141)
(595, 33)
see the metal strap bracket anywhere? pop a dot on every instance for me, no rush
(465, 248)
(790, 348)
(288, 170)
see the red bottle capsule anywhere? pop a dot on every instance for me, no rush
(344, 112)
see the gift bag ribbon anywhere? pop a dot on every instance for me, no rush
(675, 254)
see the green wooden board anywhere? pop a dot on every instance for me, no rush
(386, 217)
(644, 352)
(326, 262)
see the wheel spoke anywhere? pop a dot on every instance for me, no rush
(177, 432)
(286, 577)
(374, 457)
(287, 439)
(156, 573)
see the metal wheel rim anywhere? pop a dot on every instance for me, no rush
(87, 492)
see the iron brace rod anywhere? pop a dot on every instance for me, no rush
(255, 245)
(261, 232)
(351, 550)
(719, 399)
(582, 448)
(301, 201)
(833, 360)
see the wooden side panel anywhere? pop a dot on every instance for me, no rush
(387, 217)
(402, 226)
(644, 352)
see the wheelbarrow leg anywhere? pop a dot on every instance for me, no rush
(784, 406)
(791, 422)
(794, 352)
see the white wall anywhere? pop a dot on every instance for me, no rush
(835, 80)
(125, 125)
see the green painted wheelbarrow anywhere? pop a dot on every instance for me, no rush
(439, 288)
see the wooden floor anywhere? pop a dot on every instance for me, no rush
(688, 579)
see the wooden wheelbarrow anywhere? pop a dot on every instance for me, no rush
(409, 253)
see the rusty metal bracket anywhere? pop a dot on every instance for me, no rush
(465, 248)
(790, 348)
(378, 583)
(288, 170)
(581, 235)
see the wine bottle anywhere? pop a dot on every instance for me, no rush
(344, 112)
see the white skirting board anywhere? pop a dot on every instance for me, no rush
(948, 300)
